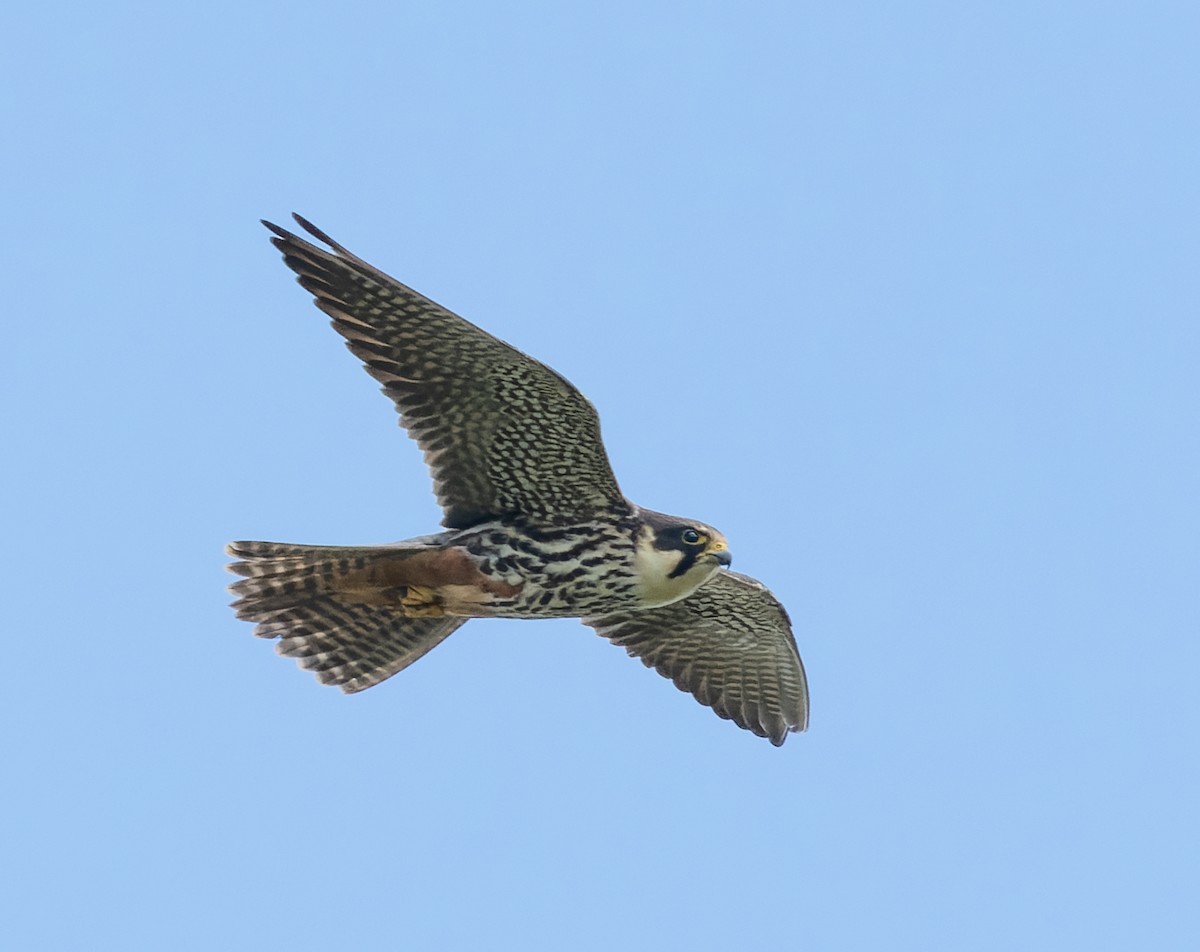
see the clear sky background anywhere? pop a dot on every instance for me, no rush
(902, 297)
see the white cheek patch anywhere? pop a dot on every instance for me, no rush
(654, 567)
(656, 563)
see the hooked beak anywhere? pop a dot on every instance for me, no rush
(722, 557)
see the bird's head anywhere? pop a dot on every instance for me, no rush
(676, 556)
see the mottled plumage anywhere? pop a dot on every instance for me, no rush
(724, 644)
(535, 524)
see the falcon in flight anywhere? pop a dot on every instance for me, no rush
(535, 524)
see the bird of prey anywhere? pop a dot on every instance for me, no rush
(534, 524)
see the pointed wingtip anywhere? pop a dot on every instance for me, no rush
(276, 229)
(317, 233)
(302, 222)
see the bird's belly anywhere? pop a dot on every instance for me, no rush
(552, 572)
(547, 597)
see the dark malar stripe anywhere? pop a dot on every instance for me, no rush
(689, 559)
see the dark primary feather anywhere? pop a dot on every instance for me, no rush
(501, 432)
(729, 644)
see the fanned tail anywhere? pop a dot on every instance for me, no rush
(335, 609)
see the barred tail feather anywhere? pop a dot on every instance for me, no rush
(318, 602)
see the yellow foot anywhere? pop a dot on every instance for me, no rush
(422, 602)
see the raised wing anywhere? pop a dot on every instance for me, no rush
(501, 432)
(730, 644)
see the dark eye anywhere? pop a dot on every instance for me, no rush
(691, 537)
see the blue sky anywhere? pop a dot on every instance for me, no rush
(903, 298)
